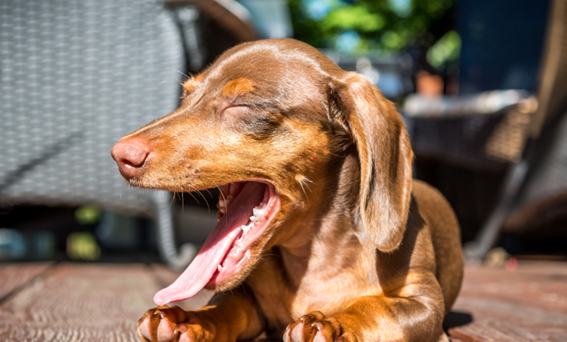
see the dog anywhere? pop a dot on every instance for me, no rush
(322, 235)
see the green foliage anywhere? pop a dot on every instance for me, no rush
(82, 246)
(87, 215)
(445, 49)
(360, 25)
(353, 18)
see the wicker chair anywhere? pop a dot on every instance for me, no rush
(506, 130)
(75, 76)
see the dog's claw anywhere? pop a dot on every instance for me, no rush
(172, 324)
(315, 327)
(181, 328)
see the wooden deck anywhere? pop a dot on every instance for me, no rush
(102, 302)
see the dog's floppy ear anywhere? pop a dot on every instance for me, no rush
(384, 154)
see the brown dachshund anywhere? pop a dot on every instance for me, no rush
(322, 234)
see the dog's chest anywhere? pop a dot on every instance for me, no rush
(331, 293)
(329, 287)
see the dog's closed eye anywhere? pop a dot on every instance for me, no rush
(238, 110)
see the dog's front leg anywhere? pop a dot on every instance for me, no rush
(228, 317)
(414, 314)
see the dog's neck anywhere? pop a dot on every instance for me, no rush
(322, 234)
(328, 227)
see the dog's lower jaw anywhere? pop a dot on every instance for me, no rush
(232, 247)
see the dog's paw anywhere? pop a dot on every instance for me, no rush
(315, 327)
(167, 324)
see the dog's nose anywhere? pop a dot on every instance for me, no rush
(130, 155)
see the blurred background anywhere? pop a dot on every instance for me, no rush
(481, 85)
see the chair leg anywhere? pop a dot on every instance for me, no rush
(476, 251)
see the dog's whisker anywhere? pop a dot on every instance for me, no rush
(207, 190)
(179, 195)
(307, 185)
(190, 192)
(306, 197)
(122, 187)
(181, 72)
(221, 192)
(199, 192)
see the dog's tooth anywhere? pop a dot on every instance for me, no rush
(219, 267)
(254, 219)
(234, 251)
(246, 228)
(258, 212)
(221, 205)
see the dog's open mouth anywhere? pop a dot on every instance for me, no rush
(247, 209)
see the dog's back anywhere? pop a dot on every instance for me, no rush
(445, 235)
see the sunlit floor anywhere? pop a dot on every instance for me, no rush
(528, 303)
(102, 302)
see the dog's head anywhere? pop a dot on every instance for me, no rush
(266, 123)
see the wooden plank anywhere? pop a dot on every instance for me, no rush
(538, 284)
(13, 276)
(84, 302)
(80, 302)
(528, 304)
(88, 302)
(454, 339)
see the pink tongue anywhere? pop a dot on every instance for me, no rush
(205, 264)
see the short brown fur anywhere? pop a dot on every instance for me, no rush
(358, 251)
(192, 83)
(238, 87)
